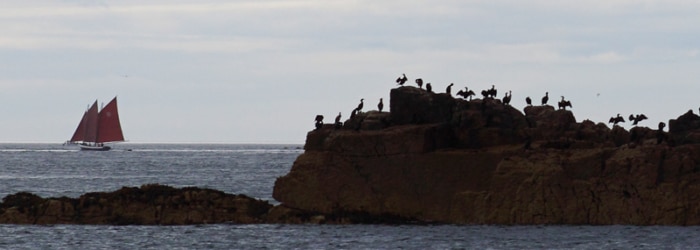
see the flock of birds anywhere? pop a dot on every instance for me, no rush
(467, 94)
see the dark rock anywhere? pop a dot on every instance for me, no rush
(482, 162)
(147, 205)
(685, 128)
(410, 105)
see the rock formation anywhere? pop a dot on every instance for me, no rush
(147, 205)
(434, 158)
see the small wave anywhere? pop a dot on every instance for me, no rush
(51, 177)
(36, 150)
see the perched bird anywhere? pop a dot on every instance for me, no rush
(429, 88)
(419, 81)
(564, 103)
(466, 93)
(359, 106)
(338, 124)
(492, 92)
(319, 121)
(380, 105)
(528, 101)
(337, 118)
(507, 97)
(449, 89)
(616, 120)
(401, 80)
(638, 118)
(545, 99)
(660, 135)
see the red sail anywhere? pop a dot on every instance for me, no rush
(79, 134)
(91, 124)
(109, 127)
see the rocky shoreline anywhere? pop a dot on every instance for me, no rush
(155, 204)
(436, 159)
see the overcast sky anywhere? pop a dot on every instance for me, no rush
(259, 71)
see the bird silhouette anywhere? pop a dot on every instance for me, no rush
(638, 118)
(429, 88)
(380, 105)
(616, 120)
(507, 97)
(359, 106)
(528, 101)
(419, 81)
(449, 89)
(401, 80)
(466, 93)
(564, 103)
(545, 99)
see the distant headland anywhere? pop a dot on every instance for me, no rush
(438, 158)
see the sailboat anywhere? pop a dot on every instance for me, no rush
(98, 127)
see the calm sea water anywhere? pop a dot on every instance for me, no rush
(55, 170)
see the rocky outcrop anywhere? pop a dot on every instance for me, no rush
(155, 204)
(447, 160)
(147, 205)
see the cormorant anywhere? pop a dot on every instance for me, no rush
(638, 118)
(419, 81)
(489, 92)
(660, 135)
(359, 106)
(319, 121)
(507, 97)
(563, 103)
(380, 105)
(545, 98)
(338, 124)
(449, 89)
(429, 88)
(528, 101)
(466, 93)
(616, 120)
(401, 80)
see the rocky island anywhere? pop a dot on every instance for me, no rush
(436, 159)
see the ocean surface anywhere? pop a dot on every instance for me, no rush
(53, 170)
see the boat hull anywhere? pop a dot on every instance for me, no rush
(94, 148)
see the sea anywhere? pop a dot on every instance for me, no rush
(55, 170)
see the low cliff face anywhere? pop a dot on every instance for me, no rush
(435, 158)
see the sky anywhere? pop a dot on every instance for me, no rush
(210, 71)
